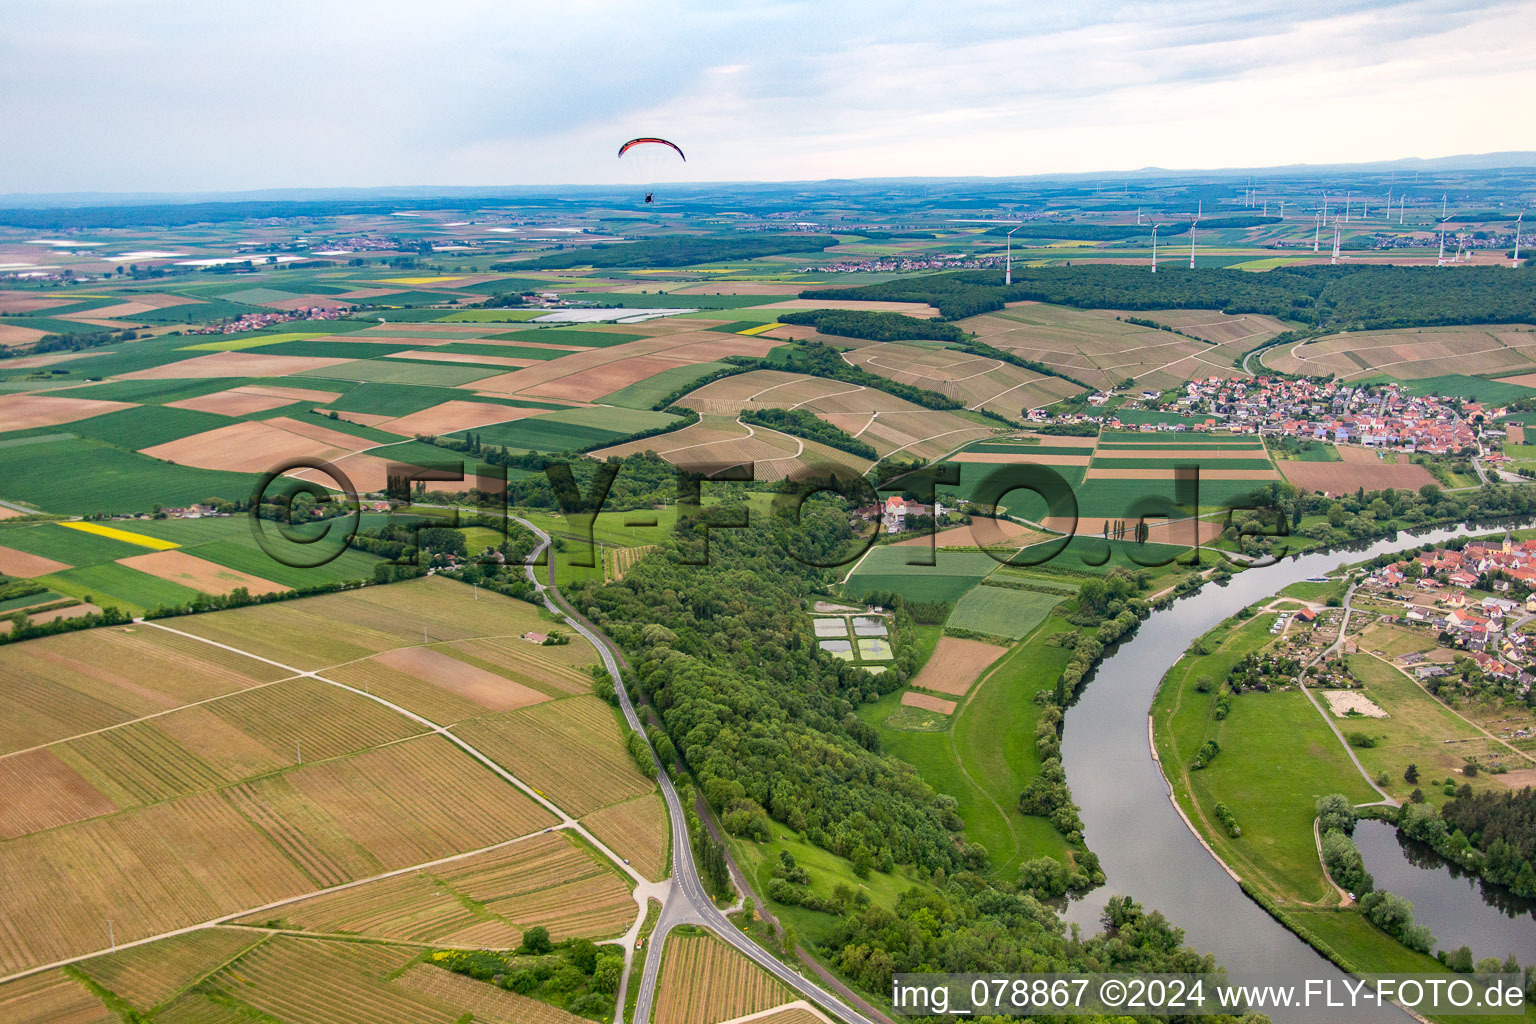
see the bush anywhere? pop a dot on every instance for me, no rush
(1345, 865)
(536, 940)
(1394, 915)
(1207, 754)
(1335, 812)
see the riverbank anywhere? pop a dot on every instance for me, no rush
(1276, 754)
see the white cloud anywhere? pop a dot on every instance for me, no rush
(111, 95)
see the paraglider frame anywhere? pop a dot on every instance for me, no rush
(660, 142)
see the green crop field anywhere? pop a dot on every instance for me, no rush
(334, 349)
(87, 476)
(303, 413)
(10, 604)
(1161, 439)
(49, 325)
(567, 336)
(1112, 462)
(1016, 448)
(401, 371)
(1087, 553)
(230, 542)
(646, 393)
(1479, 388)
(885, 568)
(1022, 502)
(74, 547)
(542, 434)
(1140, 416)
(464, 348)
(241, 342)
(243, 555)
(155, 392)
(112, 584)
(618, 420)
(147, 425)
(199, 313)
(1318, 451)
(491, 316)
(115, 360)
(387, 399)
(1097, 499)
(663, 300)
(1002, 611)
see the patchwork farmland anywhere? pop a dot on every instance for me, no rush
(980, 382)
(1413, 354)
(210, 782)
(1103, 348)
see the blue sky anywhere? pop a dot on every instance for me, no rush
(169, 95)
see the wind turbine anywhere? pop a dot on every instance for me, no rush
(1402, 208)
(1317, 230)
(1008, 273)
(1389, 203)
(1338, 233)
(1442, 206)
(1346, 204)
(1282, 209)
(1516, 261)
(1154, 245)
(1440, 261)
(1199, 209)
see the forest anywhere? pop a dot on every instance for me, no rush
(811, 427)
(673, 251)
(763, 720)
(1325, 297)
(1491, 834)
(855, 323)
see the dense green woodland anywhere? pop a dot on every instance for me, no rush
(1327, 298)
(762, 716)
(808, 425)
(1490, 834)
(674, 251)
(854, 323)
(764, 721)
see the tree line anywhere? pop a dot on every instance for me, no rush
(674, 251)
(808, 425)
(1323, 297)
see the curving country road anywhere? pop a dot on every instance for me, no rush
(684, 901)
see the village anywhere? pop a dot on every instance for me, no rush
(1475, 602)
(1373, 415)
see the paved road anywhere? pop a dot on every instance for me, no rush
(685, 901)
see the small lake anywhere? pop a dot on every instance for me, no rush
(1145, 848)
(1460, 908)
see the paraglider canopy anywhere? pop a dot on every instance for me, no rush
(632, 143)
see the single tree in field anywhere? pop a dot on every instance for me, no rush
(1411, 773)
(536, 940)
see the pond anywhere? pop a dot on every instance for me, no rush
(1144, 846)
(1458, 907)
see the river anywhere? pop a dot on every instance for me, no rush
(1144, 846)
